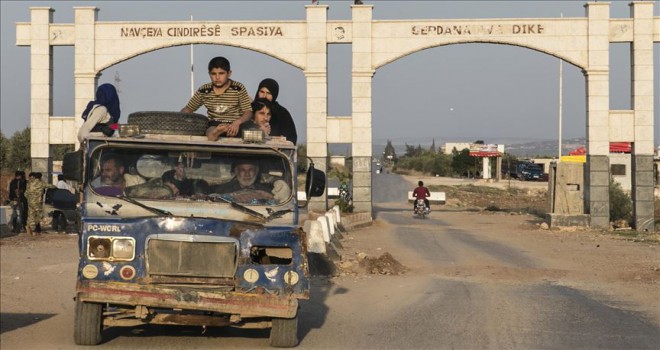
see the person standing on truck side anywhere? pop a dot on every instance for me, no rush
(281, 122)
(18, 201)
(102, 114)
(226, 101)
(422, 192)
(34, 194)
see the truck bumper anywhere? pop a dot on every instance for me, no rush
(234, 303)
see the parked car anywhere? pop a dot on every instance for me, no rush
(527, 171)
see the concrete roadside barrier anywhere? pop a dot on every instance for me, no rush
(319, 262)
(332, 250)
(331, 223)
(335, 232)
(324, 246)
(356, 220)
(315, 242)
(323, 221)
(337, 212)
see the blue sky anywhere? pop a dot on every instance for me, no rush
(450, 93)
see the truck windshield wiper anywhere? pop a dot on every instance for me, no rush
(160, 212)
(240, 207)
(272, 214)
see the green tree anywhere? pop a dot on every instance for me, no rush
(389, 150)
(432, 149)
(302, 157)
(461, 162)
(442, 165)
(620, 203)
(4, 146)
(58, 151)
(16, 151)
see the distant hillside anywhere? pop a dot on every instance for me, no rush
(543, 148)
(519, 147)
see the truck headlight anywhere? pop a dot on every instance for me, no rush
(111, 248)
(123, 248)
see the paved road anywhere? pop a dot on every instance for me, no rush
(449, 299)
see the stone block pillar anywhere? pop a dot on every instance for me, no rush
(85, 75)
(361, 80)
(642, 101)
(316, 74)
(485, 168)
(41, 87)
(597, 174)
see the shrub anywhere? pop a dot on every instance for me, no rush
(620, 203)
(344, 206)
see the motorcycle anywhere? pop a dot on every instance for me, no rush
(421, 210)
(345, 194)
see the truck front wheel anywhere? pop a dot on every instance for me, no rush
(284, 333)
(88, 323)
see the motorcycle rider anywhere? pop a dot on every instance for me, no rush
(421, 192)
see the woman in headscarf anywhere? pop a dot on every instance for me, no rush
(102, 114)
(281, 122)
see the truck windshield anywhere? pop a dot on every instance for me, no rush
(150, 174)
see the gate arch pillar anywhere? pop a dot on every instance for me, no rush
(361, 83)
(85, 75)
(316, 76)
(642, 100)
(597, 172)
(41, 87)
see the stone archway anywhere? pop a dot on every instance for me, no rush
(584, 42)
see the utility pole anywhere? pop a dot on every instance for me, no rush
(192, 68)
(561, 87)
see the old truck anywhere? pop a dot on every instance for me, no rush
(209, 252)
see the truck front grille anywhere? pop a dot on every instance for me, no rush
(171, 257)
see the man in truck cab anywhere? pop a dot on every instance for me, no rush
(113, 177)
(246, 186)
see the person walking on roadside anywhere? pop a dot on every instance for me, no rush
(34, 194)
(16, 189)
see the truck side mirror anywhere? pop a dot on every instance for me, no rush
(72, 166)
(315, 181)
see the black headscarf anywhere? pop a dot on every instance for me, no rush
(271, 85)
(281, 122)
(106, 95)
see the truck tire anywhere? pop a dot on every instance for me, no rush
(88, 323)
(284, 333)
(170, 123)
